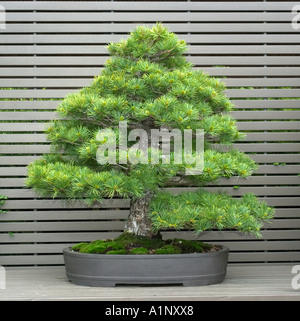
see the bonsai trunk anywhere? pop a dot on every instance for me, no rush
(138, 222)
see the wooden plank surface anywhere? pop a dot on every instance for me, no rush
(197, 61)
(124, 28)
(192, 49)
(234, 93)
(81, 82)
(242, 282)
(106, 39)
(85, 71)
(149, 17)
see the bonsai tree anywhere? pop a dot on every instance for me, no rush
(148, 84)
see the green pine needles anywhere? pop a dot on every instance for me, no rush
(148, 83)
(203, 211)
(3, 198)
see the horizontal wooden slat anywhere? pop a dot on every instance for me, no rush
(23, 138)
(257, 82)
(61, 215)
(270, 147)
(13, 171)
(261, 191)
(105, 39)
(284, 224)
(266, 115)
(149, 17)
(263, 93)
(278, 169)
(97, 49)
(61, 93)
(251, 71)
(217, 236)
(12, 182)
(46, 72)
(82, 82)
(27, 115)
(262, 257)
(261, 180)
(24, 127)
(56, 237)
(260, 245)
(270, 103)
(61, 204)
(29, 93)
(32, 259)
(43, 83)
(24, 149)
(270, 125)
(241, 48)
(149, 6)
(17, 160)
(276, 158)
(197, 61)
(287, 212)
(283, 201)
(125, 28)
(33, 104)
(91, 72)
(288, 136)
(62, 226)
(33, 248)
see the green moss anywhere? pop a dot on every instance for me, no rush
(190, 246)
(139, 250)
(117, 252)
(128, 243)
(128, 239)
(99, 246)
(78, 246)
(92, 248)
(168, 249)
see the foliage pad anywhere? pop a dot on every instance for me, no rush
(149, 83)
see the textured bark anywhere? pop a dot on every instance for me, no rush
(138, 222)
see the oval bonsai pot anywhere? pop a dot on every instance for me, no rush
(110, 269)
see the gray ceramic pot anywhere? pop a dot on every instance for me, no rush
(109, 270)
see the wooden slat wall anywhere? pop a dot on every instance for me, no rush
(49, 49)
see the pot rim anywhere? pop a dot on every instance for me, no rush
(70, 252)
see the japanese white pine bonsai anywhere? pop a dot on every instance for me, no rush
(147, 83)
